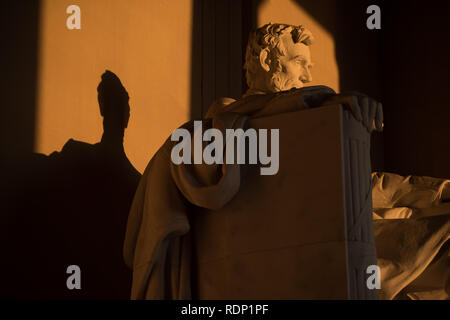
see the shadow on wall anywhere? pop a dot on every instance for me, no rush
(417, 109)
(71, 208)
(19, 22)
(405, 66)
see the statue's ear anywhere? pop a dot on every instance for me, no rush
(264, 59)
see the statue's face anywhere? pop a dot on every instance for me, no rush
(295, 66)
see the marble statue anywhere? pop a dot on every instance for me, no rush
(278, 66)
(278, 58)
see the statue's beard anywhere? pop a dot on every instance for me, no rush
(279, 81)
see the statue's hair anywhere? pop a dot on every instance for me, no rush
(268, 36)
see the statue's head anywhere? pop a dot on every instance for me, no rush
(278, 58)
(113, 101)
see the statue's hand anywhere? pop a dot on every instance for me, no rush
(364, 109)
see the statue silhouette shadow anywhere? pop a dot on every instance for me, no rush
(71, 208)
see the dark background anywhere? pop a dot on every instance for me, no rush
(404, 65)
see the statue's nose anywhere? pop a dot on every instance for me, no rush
(306, 77)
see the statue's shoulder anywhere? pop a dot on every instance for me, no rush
(219, 104)
(224, 101)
